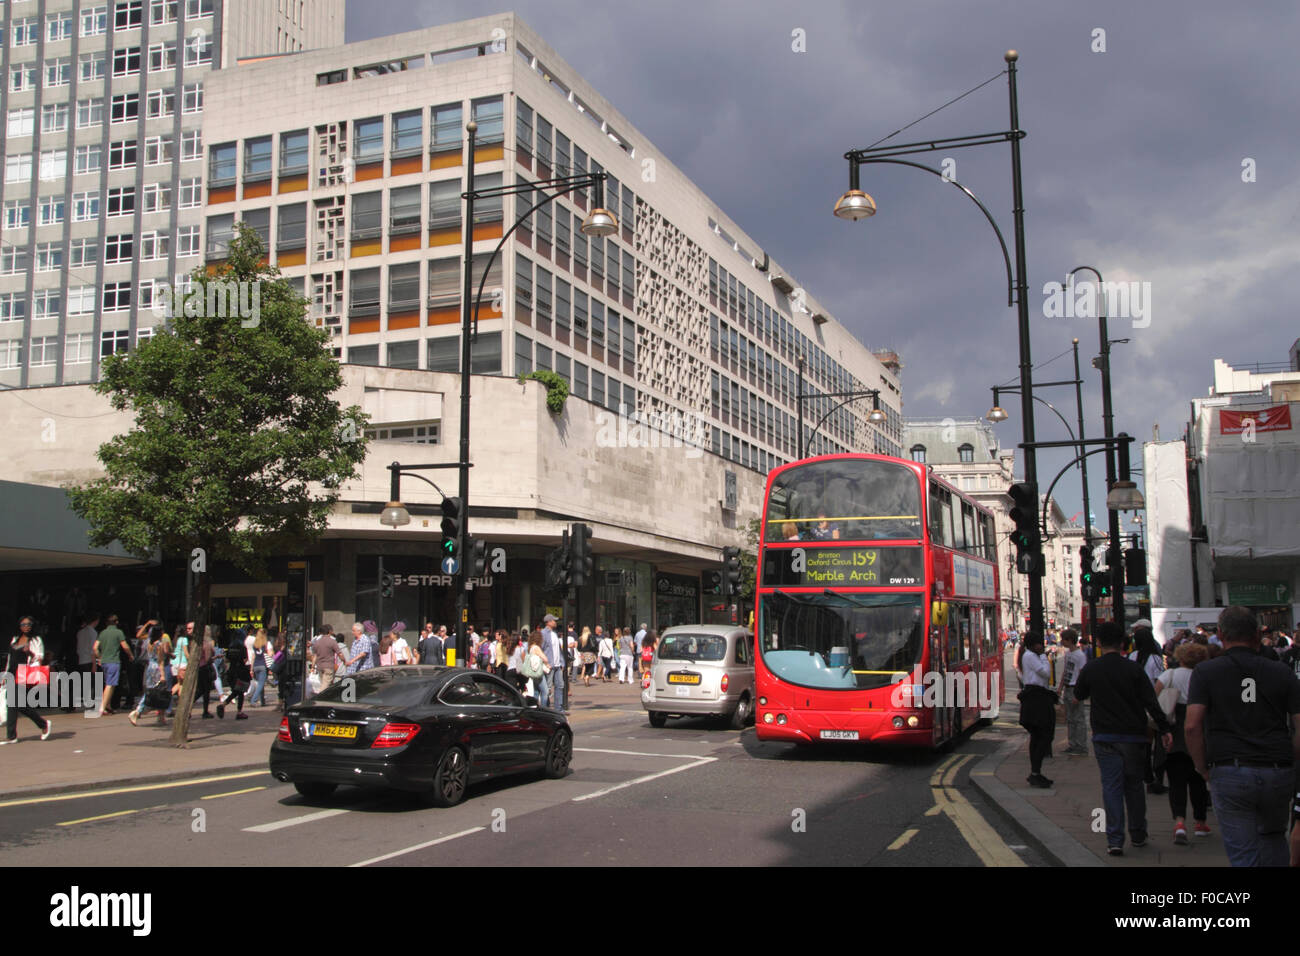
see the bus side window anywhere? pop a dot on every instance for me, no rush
(936, 517)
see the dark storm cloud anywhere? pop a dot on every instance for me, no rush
(1132, 164)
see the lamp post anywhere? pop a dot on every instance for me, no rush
(1114, 553)
(876, 416)
(599, 222)
(856, 204)
(998, 414)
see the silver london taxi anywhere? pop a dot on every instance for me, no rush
(702, 670)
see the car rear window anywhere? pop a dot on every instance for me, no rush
(395, 688)
(693, 647)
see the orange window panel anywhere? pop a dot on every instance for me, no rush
(488, 230)
(372, 248)
(293, 184)
(486, 154)
(445, 237)
(296, 257)
(257, 190)
(363, 325)
(444, 316)
(225, 194)
(404, 320)
(409, 164)
(444, 160)
(403, 243)
(370, 171)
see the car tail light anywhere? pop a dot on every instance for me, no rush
(725, 681)
(396, 735)
(283, 735)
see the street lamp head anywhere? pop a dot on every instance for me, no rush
(855, 205)
(394, 515)
(1011, 56)
(601, 222)
(997, 414)
(472, 126)
(877, 415)
(1124, 496)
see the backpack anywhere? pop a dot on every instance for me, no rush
(647, 654)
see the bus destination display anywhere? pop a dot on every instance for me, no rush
(843, 567)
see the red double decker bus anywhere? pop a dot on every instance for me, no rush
(877, 605)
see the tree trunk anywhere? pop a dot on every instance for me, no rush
(199, 614)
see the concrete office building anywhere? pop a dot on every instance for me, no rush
(350, 163)
(102, 192)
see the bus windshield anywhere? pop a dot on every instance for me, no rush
(848, 499)
(843, 641)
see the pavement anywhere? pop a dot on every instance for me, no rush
(96, 752)
(1061, 819)
(100, 752)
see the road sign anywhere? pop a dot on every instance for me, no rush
(450, 565)
(1258, 593)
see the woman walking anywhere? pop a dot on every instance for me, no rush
(22, 654)
(647, 654)
(605, 649)
(240, 677)
(1146, 651)
(515, 662)
(1183, 778)
(623, 641)
(257, 666)
(156, 693)
(587, 651)
(536, 668)
(1037, 706)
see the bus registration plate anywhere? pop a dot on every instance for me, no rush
(839, 735)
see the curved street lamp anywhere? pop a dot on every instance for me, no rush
(856, 204)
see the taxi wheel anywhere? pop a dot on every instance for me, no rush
(450, 779)
(559, 755)
(315, 791)
(740, 716)
(658, 718)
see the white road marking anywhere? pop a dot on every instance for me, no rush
(699, 762)
(294, 821)
(636, 753)
(418, 846)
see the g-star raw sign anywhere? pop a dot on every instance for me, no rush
(843, 567)
(1274, 419)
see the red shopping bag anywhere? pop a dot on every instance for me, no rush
(32, 674)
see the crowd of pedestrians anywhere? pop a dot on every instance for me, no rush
(542, 662)
(1216, 710)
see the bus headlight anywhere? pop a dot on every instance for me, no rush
(767, 718)
(762, 702)
(914, 721)
(780, 718)
(898, 723)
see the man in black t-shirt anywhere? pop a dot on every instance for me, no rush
(1237, 735)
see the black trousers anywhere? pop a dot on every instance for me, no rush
(11, 724)
(1183, 779)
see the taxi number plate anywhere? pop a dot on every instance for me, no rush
(345, 731)
(839, 735)
(683, 678)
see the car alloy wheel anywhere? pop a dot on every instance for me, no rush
(559, 755)
(450, 779)
(740, 716)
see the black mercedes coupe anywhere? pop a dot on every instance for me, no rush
(430, 730)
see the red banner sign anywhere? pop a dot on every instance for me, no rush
(1275, 419)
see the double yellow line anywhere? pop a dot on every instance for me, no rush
(983, 839)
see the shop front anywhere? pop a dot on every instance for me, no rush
(677, 600)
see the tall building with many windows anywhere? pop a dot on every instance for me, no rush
(103, 105)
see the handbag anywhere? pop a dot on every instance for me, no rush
(1168, 701)
(31, 675)
(158, 697)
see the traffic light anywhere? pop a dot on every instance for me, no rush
(1087, 576)
(730, 572)
(580, 545)
(1024, 514)
(714, 584)
(386, 585)
(452, 526)
(477, 549)
(1135, 567)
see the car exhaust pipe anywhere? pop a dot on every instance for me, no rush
(281, 776)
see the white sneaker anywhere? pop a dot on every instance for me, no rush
(49, 726)
(7, 741)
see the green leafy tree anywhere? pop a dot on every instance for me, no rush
(238, 449)
(749, 555)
